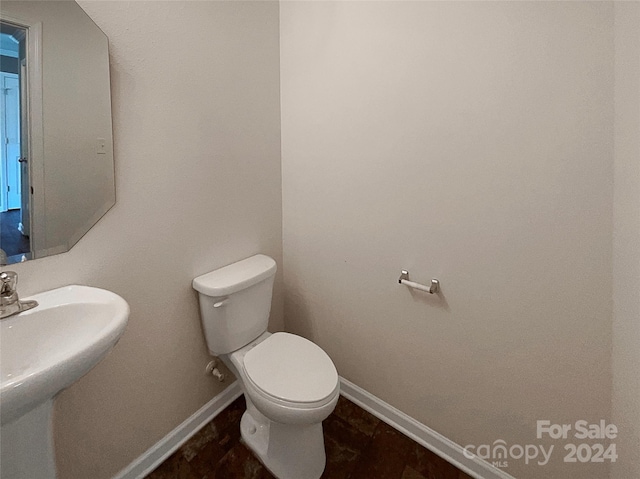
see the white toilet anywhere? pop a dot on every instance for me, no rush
(289, 383)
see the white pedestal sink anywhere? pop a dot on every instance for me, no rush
(43, 351)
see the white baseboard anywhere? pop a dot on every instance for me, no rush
(151, 459)
(423, 435)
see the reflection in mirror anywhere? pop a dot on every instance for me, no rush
(57, 174)
(14, 206)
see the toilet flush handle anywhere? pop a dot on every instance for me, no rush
(221, 303)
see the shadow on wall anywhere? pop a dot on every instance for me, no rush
(436, 300)
(296, 306)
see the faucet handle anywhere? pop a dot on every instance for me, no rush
(8, 283)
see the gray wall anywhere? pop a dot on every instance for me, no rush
(471, 142)
(197, 152)
(626, 239)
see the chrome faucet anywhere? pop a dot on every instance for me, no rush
(9, 302)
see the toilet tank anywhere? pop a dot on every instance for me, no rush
(235, 302)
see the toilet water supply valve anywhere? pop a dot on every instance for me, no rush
(213, 370)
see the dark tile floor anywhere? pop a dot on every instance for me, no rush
(358, 446)
(11, 240)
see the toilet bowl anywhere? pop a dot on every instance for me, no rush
(290, 387)
(290, 384)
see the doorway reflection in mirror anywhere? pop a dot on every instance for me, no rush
(14, 205)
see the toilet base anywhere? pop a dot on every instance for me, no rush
(288, 451)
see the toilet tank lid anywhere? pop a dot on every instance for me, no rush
(235, 277)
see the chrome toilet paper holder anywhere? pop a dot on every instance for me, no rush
(433, 288)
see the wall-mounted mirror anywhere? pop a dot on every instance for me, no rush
(56, 172)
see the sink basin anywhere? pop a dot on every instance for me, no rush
(46, 349)
(42, 351)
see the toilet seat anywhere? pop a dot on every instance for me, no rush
(289, 369)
